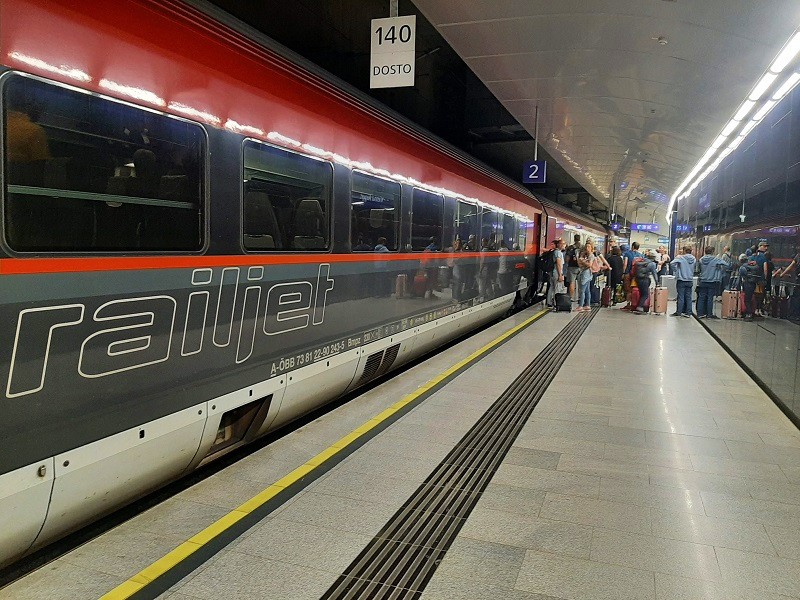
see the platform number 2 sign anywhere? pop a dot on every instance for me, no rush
(535, 171)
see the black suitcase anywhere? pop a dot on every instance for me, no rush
(563, 303)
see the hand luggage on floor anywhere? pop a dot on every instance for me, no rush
(730, 304)
(669, 282)
(605, 297)
(420, 284)
(444, 277)
(563, 303)
(619, 293)
(400, 285)
(783, 307)
(635, 296)
(660, 300)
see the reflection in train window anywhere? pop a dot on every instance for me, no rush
(489, 228)
(375, 210)
(85, 173)
(509, 230)
(286, 200)
(426, 220)
(467, 223)
(522, 232)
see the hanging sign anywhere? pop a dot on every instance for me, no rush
(393, 46)
(534, 171)
(644, 226)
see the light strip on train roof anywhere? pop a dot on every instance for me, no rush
(738, 123)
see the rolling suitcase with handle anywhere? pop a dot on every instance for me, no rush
(730, 304)
(605, 297)
(660, 295)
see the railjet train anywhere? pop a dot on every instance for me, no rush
(203, 239)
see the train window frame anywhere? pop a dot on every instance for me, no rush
(477, 217)
(327, 211)
(440, 241)
(397, 210)
(203, 198)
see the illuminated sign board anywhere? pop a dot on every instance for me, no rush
(644, 226)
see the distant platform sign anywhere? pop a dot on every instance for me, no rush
(393, 52)
(535, 171)
(644, 226)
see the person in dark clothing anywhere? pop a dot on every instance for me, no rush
(615, 261)
(645, 270)
(748, 284)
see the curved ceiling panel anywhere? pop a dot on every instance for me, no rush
(616, 105)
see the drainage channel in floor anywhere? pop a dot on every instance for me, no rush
(401, 559)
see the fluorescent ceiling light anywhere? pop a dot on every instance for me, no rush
(735, 143)
(762, 85)
(787, 86)
(732, 124)
(787, 55)
(719, 141)
(762, 112)
(748, 128)
(743, 110)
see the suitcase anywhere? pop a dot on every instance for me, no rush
(563, 303)
(400, 285)
(420, 284)
(444, 277)
(660, 300)
(669, 282)
(605, 297)
(635, 296)
(730, 304)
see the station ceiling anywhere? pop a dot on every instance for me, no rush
(630, 93)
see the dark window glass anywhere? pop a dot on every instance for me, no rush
(522, 232)
(89, 174)
(509, 224)
(375, 211)
(286, 199)
(490, 228)
(467, 223)
(426, 220)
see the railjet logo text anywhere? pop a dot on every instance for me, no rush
(136, 332)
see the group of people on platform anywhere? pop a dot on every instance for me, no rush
(580, 271)
(487, 270)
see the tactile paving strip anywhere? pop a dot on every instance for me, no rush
(402, 558)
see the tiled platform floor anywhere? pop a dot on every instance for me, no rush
(652, 468)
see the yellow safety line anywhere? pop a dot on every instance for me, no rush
(189, 547)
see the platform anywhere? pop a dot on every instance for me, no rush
(651, 467)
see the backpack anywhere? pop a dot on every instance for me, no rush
(754, 273)
(572, 257)
(596, 264)
(638, 261)
(547, 261)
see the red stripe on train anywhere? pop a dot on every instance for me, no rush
(30, 266)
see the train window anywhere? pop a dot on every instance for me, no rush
(509, 230)
(85, 173)
(375, 212)
(427, 212)
(522, 231)
(467, 223)
(286, 199)
(489, 228)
